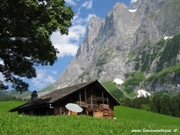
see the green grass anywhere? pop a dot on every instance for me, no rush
(162, 75)
(128, 119)
(133, 78)
(162, 94)
(113, 89)
(131, 114)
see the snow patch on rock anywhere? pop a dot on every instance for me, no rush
(59, 87)
(132, 10)
(118, 81)
(165, 38)
(143, 93)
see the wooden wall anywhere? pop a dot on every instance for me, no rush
(93, 102)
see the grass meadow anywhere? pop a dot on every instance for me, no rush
(128, 121)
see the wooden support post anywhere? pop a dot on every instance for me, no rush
(80, 98)
(107, 100)
(85, 95)
(102, 97)
(71, 98)
(91, 99)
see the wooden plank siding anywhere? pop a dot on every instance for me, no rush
(95, 100)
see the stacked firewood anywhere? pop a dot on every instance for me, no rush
(99, 110)
(82, 104)
(105, 111)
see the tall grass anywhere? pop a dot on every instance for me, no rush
(131, 114)
(127, 121)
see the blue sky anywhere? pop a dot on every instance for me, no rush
(68, 45)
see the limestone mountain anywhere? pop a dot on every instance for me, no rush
(141, 39)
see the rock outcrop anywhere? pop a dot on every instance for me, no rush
(106, 52)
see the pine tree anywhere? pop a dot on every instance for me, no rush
(156, 104)
(166, 105)
(175, 107)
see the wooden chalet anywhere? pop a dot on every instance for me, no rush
(95, 100)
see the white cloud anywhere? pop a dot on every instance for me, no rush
(133, 1)
(1, 77)
(87, 4)
(89, 16)
(69, 44)
(76, 32)
(76, 19)
(1, 62)
(43, 78)
(54, 72)
(70, 2)
(66, 49)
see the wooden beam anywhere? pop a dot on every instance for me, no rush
(91, 99)
(85, 95)
(103, 97)
(80, 98)
(107, 100)
(71, 98)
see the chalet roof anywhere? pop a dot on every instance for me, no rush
(61, 93)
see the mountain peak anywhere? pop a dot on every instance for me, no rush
(123, 42)
(119, 4)
(134, 5)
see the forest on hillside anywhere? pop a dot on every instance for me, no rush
(163, 104)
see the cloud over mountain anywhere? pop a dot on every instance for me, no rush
(132, 1)
(43, 78)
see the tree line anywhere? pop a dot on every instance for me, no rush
(14, 98)
(159, 104)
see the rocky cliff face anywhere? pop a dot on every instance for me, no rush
(111, 45)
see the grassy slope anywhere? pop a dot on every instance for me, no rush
(118, 94)
(128, 119)
(131, 114)
(112, 88)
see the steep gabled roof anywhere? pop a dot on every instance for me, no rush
(61, 93)
(34, 104)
